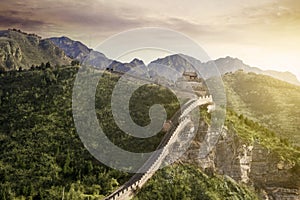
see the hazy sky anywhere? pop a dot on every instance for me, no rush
(263, 33)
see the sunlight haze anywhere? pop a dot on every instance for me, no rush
(262, 33)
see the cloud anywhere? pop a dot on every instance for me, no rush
(90, 15)
(240, 28)
(9, 21)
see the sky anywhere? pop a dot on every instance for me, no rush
(262, 33)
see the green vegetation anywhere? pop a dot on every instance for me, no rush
(268, 112)
(266, 100)
(75, 62)
(22, 50)
(250, 132)
(42, 156)
(188, 182)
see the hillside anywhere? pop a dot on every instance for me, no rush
(257, 154)
(19, 49)
(230, 64)
(79, 51)
(272, 102)
(42, 156)
(189, 182)
(73, 49)
(22, 50)
(224, 65)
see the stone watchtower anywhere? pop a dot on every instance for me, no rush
(190, 75)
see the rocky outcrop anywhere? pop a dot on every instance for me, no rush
(73, 49)
(10, 54)
(249, 163)
(22, 50)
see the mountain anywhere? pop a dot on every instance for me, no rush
(79, 51)
(179, 62)
(43, 157)
(19, 49)
(183, 63)
(271, 102)
(73, 49)
(172, 67)
(230, 64)
(284, 76)
(124, 67)
(251, 91)
(97, 60)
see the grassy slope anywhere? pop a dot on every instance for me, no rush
(274, 103)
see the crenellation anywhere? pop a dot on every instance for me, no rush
(183, 121)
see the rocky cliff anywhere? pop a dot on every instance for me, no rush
(22, 50)
(273, 176)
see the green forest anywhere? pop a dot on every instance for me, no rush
(271, 102)
(43, 158)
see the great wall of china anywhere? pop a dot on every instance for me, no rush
(180, 120)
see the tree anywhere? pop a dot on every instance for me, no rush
(75, 62)
(67, 170)
(2, 69)
(48, 65)
(43, 66)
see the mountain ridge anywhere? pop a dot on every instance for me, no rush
(237, 64)
(19, 50)
(224, 65)
(39, 135)
(11, 57)
(74, 49)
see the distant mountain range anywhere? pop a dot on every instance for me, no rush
(19, 49)
(73, 49)
(229, 64)
(79, 51)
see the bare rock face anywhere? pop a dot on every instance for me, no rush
(22, 50)
(251, 164)
(10, 53)
(233, 158)
(273, 175)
